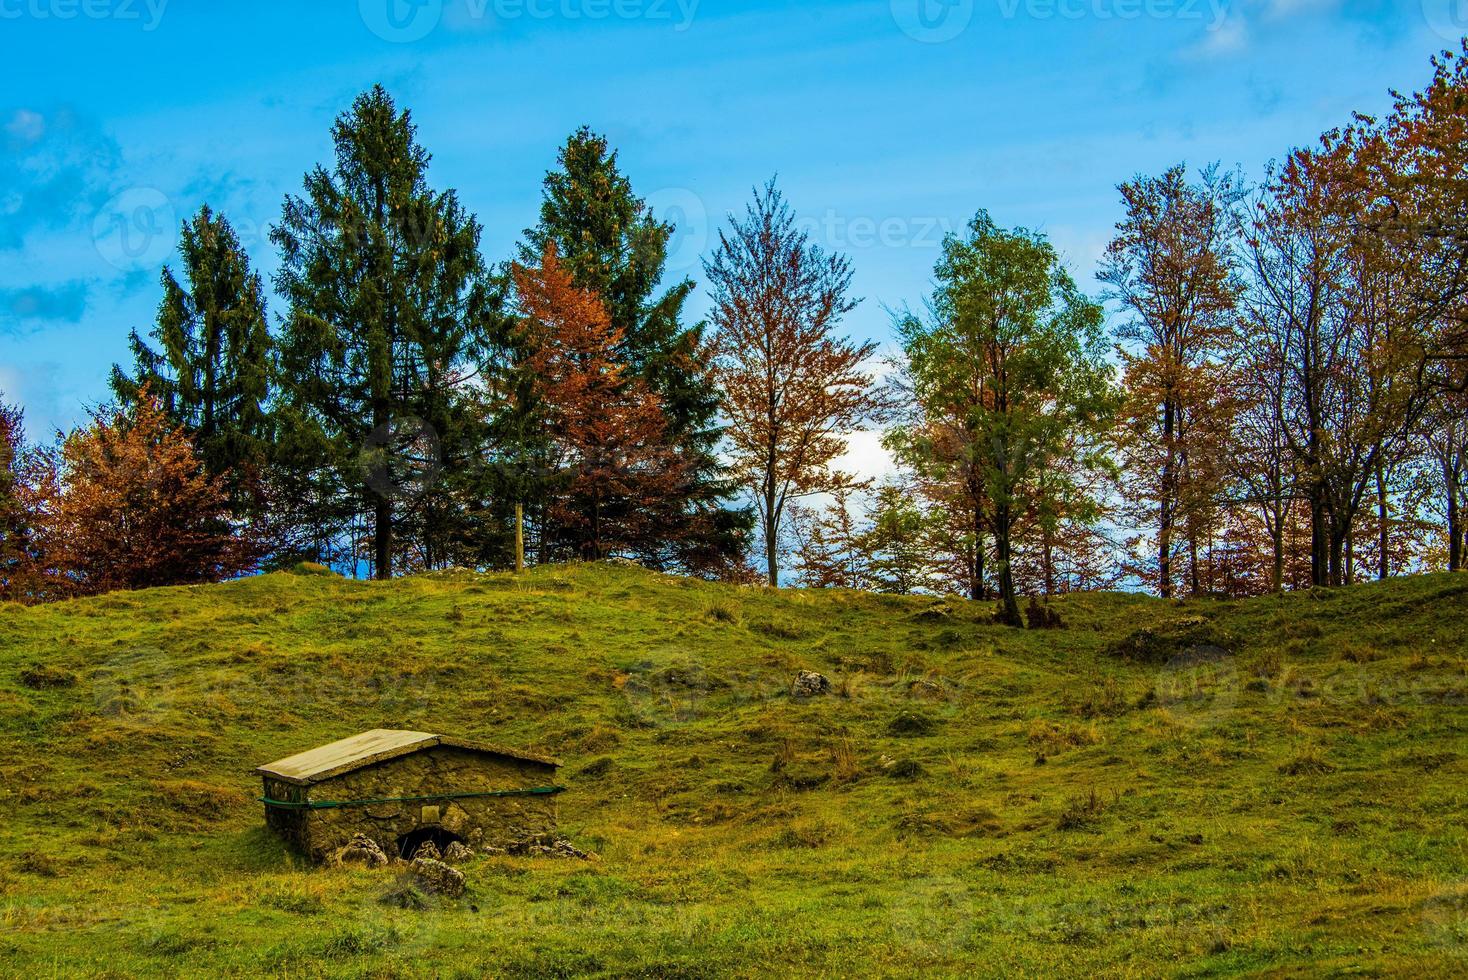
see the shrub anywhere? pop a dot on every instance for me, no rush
(43, 677)
(1042, 617)
(1307, 762)
(1189, 636)
(910, 723)
(1050, 737)
(1082, 812)
(723, 611)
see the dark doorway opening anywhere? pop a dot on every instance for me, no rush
(409, 843)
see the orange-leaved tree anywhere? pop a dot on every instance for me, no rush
(128, 505)
(21, 564)
(793, 388)
(614, 478)
(1169, 268)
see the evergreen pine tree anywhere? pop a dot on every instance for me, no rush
(388, 309)
(612, 244)
(211, 370)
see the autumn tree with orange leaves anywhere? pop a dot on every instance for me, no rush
(20, 557)
(127, 504)
(613, 475)
(792, 388)
(1169, 268)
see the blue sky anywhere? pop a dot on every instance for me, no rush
(888, 122)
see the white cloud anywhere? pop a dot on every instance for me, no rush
(26, 126)
(1226, 38)
(866, 457)
(1283, 9)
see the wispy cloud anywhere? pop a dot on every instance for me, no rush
(61, 303)
(1229, 37)
(55, 171)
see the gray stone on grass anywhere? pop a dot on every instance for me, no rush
(436, 878)
(457, 853)
(362, 850)
(810, 684)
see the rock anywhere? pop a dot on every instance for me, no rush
(363, 850)
(436, 878)
(548, 845)
(492, 851)
(810, 684)
(457, 853)
(428, 850)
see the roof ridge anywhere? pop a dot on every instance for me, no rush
(379, 745)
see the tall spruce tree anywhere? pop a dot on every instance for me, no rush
(211, 369)
(612, 244)
(388, 308)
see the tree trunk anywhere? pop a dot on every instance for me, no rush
(1455, 520)
(977, 592)
(382, 537)
(519, 538)
(772, 542)
(1384, 565)
(1195, 580)
(1009, 611)
(1336, 539)
(1164, 513)
(1320, 545)
(1276, 534)
(596, 554)
(1049, 565)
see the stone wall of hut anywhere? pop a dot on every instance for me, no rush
(480, 822)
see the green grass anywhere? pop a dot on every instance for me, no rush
(970, 799)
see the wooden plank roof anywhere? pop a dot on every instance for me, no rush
(378, 745)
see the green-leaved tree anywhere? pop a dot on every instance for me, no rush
(1007, 365)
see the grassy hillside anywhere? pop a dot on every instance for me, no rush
(969, 798)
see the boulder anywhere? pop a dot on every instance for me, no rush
(428, 850)
(810, 684)
(436, 878)
(362, 850)
(457, 853)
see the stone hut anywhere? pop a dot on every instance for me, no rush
(404, 788)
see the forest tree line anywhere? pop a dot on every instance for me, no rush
(1280, 402)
